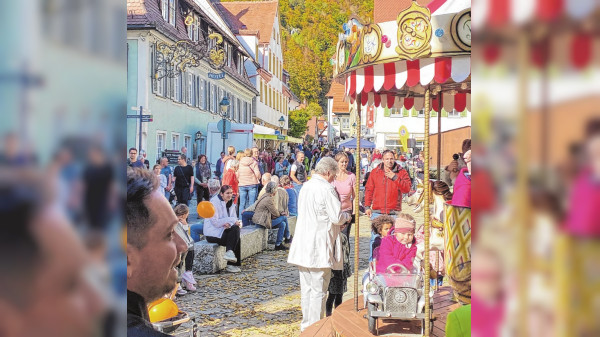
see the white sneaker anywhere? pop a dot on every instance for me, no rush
(230, 256)
(180, 290)
(232, 269)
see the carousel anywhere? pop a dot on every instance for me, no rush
(420, 61)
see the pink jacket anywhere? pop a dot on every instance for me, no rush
(248, 172)
(462, 190)
(392, 251)
(584, 213)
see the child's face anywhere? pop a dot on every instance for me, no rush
(385, 229)
(405, 238)
(157, 170)
(183, 217)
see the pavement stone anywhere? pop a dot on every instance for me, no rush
(264, 299)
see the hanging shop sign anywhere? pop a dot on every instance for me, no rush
(218, 76)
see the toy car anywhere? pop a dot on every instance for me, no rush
(396, 294)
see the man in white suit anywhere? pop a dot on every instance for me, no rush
(314, 249)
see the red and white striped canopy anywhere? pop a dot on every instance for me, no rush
(495, 13)
(396, 75)
(450, 100)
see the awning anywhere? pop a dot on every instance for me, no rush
(395, 75)
(278, 138)
(496, 13)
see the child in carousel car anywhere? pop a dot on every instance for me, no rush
(400, 246)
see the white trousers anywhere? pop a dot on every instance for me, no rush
(313, 291)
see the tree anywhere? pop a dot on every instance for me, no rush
(299, 119)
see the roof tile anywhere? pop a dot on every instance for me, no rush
(254, 16)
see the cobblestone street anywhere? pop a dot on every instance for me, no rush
(262, 300)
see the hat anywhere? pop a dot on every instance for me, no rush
(402, 225)
(402, 158)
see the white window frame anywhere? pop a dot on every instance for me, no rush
(165, 9)
(175, 144)
(453, 114)
(187, 141)
(160, 149)
(190, 89)
(177, 89)
(172, 11)
(345, 123)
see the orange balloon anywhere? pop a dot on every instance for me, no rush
(206, 209)
(162, 309)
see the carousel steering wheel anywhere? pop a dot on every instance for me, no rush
(391, 269)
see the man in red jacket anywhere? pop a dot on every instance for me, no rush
(385, 183)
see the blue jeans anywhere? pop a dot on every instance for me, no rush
(197, 230)
(247, 196)
(297, 187)
(247, 218)
(284, 229)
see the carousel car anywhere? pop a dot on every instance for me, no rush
(396, 294)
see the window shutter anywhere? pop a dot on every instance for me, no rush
(386, 112)
(433, 113)
(444, 113)
(404, 112)
(463, 113)
(414, 113)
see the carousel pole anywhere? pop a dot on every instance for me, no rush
(427, 193)
(439, 139)
(439, 175)
(356, 205)
(522, 200)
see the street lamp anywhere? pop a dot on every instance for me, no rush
(281, 124)
(224, 107)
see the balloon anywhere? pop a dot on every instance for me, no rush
(384, 39)
(162, 309)
(206, 209)
(388, 43)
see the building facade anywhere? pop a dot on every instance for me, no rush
(181, 106)
(256, 25)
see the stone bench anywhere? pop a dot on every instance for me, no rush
(273, 232)
(209, 257)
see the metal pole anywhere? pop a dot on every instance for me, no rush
(439, 142)
(356, 205)
(140, 138)
(427, 193)
(223, 135)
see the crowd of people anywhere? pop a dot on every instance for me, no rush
(317, 185)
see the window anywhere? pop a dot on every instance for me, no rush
(160, 143)
(177, 89)
(168, 11)
(203, 94)
(244, 111)
(238, 117)
(421, 113)
(190, 90)
(262, 91)
(172, 12)
(194, 28)
(453, 113)
(174, 141)
(345, 122)
(229, 50)
(187, 142)
(210, 96)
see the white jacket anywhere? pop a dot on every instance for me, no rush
(216, 225)
(318, 226)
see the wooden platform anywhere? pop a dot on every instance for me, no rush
(347, 322)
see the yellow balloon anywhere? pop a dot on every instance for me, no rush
(162, 309)
(206, 209)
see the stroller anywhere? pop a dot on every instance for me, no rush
(396, 294)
